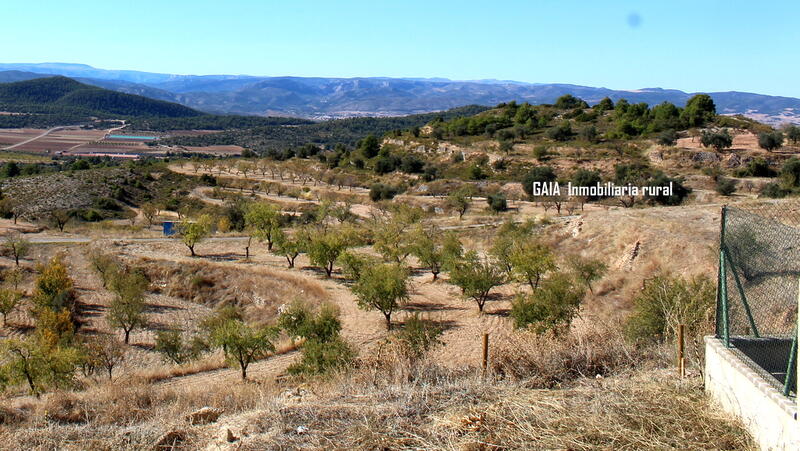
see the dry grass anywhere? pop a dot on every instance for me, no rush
(440, 409)
(203, 365)
(259, 291)
(583, 390)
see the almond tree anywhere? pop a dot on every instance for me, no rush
(382, 287)
(244, 344)
(9, 300)
(263, 219)
(17, 246)
(127, 309)
(428, 248)
(192, 232)
(476, 277)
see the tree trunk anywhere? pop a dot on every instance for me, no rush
(31, 384)
(388, 317)
(244, 370)
(435, 275)
(127, 335)
(109, 372)
(191, 249)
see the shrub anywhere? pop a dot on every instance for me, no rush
(175, 348)
(418, 336)
(497, 202)
(105, 203)
(667, 301)
(323, 357)
(561, 132)
(380, 191)
(667, 138)
(539, 174)
(725, 187)
(549, 308)
(757, 167)
(775, 191)
(53, 288)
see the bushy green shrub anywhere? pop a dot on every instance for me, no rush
(550, 307)
(725, 187)
(667, 301)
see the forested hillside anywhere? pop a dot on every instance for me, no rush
(63, 101)
(329, 133)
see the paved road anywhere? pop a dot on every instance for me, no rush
(34, 138)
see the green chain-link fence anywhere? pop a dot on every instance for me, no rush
(759, 273)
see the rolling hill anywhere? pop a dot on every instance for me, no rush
(64, 95)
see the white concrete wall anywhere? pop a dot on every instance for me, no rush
(769, 416)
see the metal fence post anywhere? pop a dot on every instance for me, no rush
(723, 282)
(739, 286)
(790, 368)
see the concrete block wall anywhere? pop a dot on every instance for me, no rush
(770, 417)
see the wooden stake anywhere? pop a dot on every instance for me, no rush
(485, 363)
(681, 359)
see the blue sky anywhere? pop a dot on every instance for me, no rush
(710, 45)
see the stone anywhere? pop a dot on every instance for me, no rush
(171, 440)
(733, 161)
(705, 157)
(230, 437)
(205, 415)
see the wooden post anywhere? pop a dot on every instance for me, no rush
(681, 360)
(485, 362)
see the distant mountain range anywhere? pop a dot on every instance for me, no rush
(321, 98)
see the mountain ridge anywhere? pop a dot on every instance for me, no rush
(336, 97)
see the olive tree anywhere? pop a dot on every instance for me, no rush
(770, 141)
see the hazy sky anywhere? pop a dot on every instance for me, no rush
(712, 45)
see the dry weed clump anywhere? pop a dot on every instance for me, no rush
(548, 360)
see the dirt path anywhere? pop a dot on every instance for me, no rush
(14, 146)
